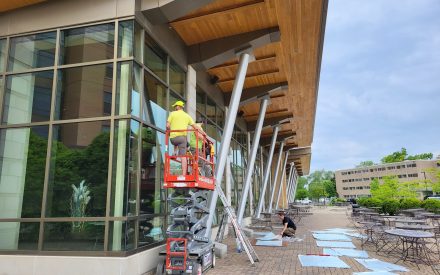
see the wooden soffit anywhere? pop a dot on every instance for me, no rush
(295, 58)
(8, 5)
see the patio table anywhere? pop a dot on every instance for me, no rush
(369, 231)
(411, 221)
(413, 245)
(421, 227)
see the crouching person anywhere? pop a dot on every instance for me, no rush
(289, 226)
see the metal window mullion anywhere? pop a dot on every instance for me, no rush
(28, 71)
(49, 142)
(111, 143)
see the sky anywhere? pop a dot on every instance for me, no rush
(379, 87)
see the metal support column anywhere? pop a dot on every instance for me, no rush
(283, 175)
(231, 116)
(267, 171)
(252, 156)
(296, 186)
(269, 208)
(289, 183)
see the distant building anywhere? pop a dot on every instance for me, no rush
(354, 183)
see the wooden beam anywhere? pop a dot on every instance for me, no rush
(251, 94)
(249, 76)
(271, 121)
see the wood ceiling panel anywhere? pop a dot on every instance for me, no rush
(224, 23)
(295, 59)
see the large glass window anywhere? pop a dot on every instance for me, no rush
(78, 170)
(151, 230)
(22, 165)
(86, 44)
(122, 235)
(84, 92)
(2, 54)
(27, 98)
(177, 78)
(155, 58)
(210, 109)
(74, 236)
(155, 101)
(125, 168)
(33, 51)
(200, 101)
(125, 39)
(19, 235)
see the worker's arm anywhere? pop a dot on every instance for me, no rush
(168, 125)
(197, 127)
(284, 228)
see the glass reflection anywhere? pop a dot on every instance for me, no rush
(128, 89)
(78, 170)
(125, 39)
(64, 236)
(151, 230)
(33, 51)
(153, 152)
(86, 44)
(2, 54)
(122, 235)
(27, 98)
(84, 92)
(19, 236)
(210, 109)
(177, 78)
(125, 168)
(155, 58)
(200, 101)
(155, 102)
(22, 165)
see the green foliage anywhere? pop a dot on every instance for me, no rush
(369, 202)
(392, 188)
(302, 181)
(403, 155)
(301, 194)
(432, 205)
(322, 184)
(390, 206)
(409, 203)
(365, 164)
(337, 200)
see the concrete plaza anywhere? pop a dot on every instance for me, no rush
(284, 260)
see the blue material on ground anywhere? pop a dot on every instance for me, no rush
(268, 237)
(269, 243)
(335, 244)
(356, 235)
(322, 261)
(378, 265)
(375, 273)
(339, 230)
(261, 233)
(331, 237)
(345, 252)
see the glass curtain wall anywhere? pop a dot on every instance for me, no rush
(82, 140)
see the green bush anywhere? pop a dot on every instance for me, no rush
(409, 203)
(431, 205)
(369, 202)
(362, 201)
(337, 200)
(390, 206)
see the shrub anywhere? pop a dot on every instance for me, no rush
(369, 202)
(432, 205)
(362, 201)
(409, 203)
(390, 206)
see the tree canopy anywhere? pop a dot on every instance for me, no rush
(322, 184)
(365, 164)
(391, 188)
(402, 155)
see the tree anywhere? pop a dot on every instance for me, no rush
(365, 164)
(330, 188)
(403, 155)
(317, 190)
(301, 194)
(391, 188)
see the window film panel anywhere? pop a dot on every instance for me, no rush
(154, 107)
(87, 44)
(22, 166)
(125, 168)
(78, 170)
(177, 78)
(125, 39)
(210, 109)
(19, 235)
(27, 98)
(200, 101)
(84, 92)
(32, 51)
(155, 58)
(128, 99)
(153, 152)
(74, 236)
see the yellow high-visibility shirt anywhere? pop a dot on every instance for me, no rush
(179, 120)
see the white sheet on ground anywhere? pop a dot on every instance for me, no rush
(322, 261)
(269, 243)
(354, 253)
(331, 237)
(335, 244)
(378, 265)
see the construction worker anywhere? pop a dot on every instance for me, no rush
(289, 227)
(180, 120)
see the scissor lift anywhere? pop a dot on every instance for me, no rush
(188, 251)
